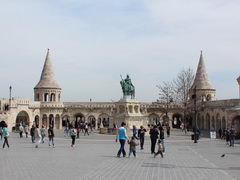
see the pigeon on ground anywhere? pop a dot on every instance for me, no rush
(223, 155)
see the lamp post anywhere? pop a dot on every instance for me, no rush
(10, 96)
(238, 80)
(195, 114)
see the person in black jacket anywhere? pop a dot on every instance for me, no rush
(141, 134)
(153, 136)
(161, 130)
(32, 130)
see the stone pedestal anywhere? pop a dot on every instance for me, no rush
(128, 111)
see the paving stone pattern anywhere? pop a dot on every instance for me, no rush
(94, 157)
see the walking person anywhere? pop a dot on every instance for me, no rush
(26, 130)
(73, 134)
(37, 136)
(32, 133)
(50, 136)
(168, 130)
(232, 136)
(6, 135)
(153, 136)
(132, 146)
(78, 131)
(227, 136)
(160, 149)
(161, 137)
(43, 133)
(141, 135)
(122, 137)
(1, 133)
(21, 130)
(86, 129)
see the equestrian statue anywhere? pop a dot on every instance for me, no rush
(127, 87)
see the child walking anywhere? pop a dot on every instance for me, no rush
(132, 146)
(160, 149)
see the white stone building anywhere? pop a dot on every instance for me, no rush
(47, 107)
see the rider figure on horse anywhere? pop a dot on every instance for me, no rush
(127, 87)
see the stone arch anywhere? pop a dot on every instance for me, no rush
(22, 118)
(92, 120)
(136, 109)
(223, 123)
(44, 120)
(130, 107)
(36, 120)
(79, 117)
(104, 119)
(236, 125)
(51, 120)
(154, 119)
(52, 97)
(207, 121)
(177, 119)
(46, 97)
(65, 120)
(209, 97)
(121, 109)
(57, 121)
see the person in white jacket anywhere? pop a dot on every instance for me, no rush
(37, 135)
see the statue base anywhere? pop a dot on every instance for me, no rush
(128, 111)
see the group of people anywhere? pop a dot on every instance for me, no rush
(79, 126)
(156, 136)
(229, 135)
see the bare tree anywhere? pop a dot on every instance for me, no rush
(166, 95)
(182, 85)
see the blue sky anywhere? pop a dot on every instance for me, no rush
(92, 42)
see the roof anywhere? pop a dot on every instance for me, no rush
(201, 80)
(47, 79)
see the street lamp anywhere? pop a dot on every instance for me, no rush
(10, 95)
(238, 80)
(195, 113)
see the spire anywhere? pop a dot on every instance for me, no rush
(201, 79)
(47, 79)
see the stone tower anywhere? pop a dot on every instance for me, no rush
(201, 85)
(47, 89)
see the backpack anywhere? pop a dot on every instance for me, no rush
(73, 132)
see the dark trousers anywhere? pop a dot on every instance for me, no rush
(5, 142)
(153, 144)
(122, 150)
(78, 134)
(20, 133)
(159, 152)
(86, 132)
(33, 138)
(141, 142)
(73, 140)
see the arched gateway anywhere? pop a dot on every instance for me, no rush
(22, 118)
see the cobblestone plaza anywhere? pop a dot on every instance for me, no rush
(94, 157)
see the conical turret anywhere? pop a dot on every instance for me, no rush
(47, 79)
(201, 80)
(202, 88)
(47, 89)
